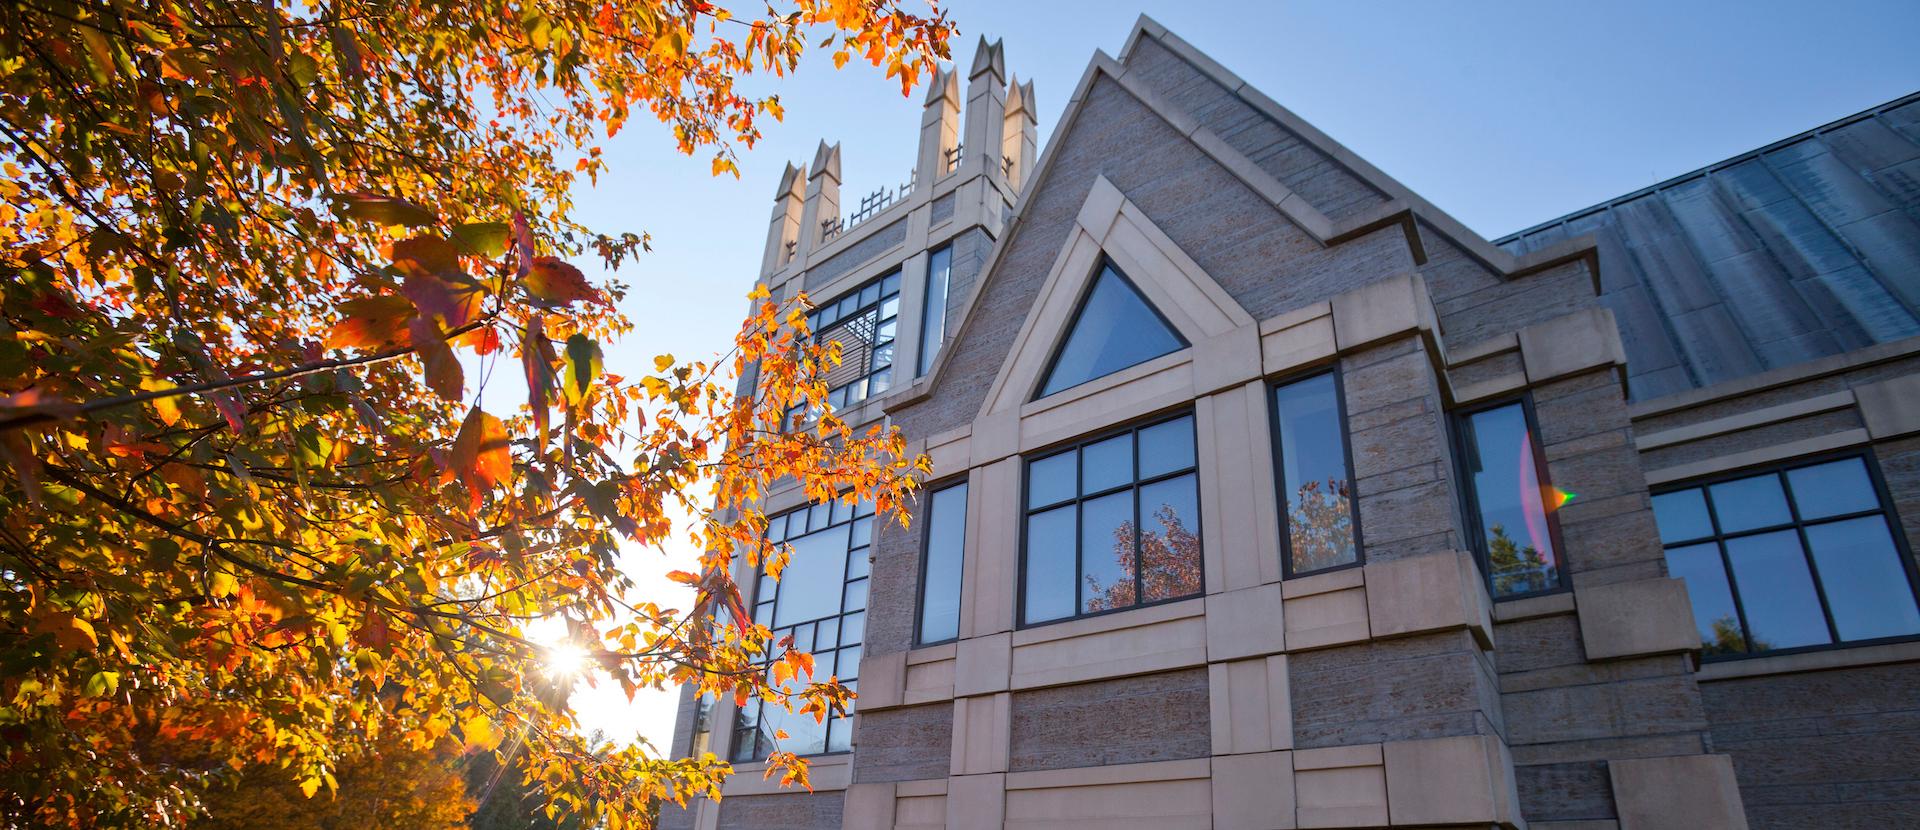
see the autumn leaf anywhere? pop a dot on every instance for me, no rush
(554, 283)
(372, 323)
(536, 359)
(444, 375)
(384, 210)
(480, 458)
(478, 733)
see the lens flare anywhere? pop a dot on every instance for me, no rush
(566, 660)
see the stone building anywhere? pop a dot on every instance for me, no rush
(1268, 495)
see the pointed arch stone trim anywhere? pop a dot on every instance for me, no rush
(1109, 227)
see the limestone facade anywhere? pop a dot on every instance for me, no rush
(1397, 692)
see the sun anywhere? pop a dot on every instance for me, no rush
(566, 661)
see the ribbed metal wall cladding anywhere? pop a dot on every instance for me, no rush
(1804, 248)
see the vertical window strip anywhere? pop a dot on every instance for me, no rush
(835, 639)
(1319, 521)
(1511, 501)
(933, 314)
(941, 567)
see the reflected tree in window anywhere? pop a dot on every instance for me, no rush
(1320, 525)
(1516, 569)
(1169, 564)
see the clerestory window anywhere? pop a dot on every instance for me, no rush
(1114, 328)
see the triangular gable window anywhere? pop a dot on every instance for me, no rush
(1114, 328)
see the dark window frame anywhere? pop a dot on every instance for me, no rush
(1886, 510)
(1073, 320)
(1135, 484)
(1280, 472)
(735, 730)
(1460, 429)
(926, 547)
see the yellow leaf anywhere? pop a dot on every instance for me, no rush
(310, 786)
(167, 408)
(480, 733)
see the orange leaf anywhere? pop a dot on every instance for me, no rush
(553, 282)
(480, 454)
(683, 577)
(372, 322)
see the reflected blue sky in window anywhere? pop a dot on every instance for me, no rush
(1114, 328)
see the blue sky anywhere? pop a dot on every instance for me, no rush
(1503, 113)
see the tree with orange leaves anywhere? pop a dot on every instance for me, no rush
(252, 508)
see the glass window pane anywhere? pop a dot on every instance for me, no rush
(1714, 613)
(1682, 515)
(862, 532)
(890, 285)
(1509, 497)
(863, 507)
(1107, 552)
(839, 734)
(776, 528)
(1314, 475)
(1051, 479)
(1832, 489)
(796, 523)
(1166, 447)
(810, 585)
(1747, 503)
(1050, 574)
(853, 628)
(1113, 329)
(829, 634)
(933, 315)
(804, 735)
(1865, 583)
(856, 595)
(940, 584)
(870, 294)
(820, 515)
(1107, 464)
(880, 382)
(859, 563)
(1770, 572)
(1170, 538)
(889, 307)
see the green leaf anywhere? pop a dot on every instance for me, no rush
(583, 368)
(385, 210)
(103, 683)
(484, 239)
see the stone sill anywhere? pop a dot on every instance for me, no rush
(1837, 658)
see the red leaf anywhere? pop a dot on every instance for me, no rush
(372, 322)
(523, 243)
(455, 301)
(555, 283)
(480, 456)
(536, 359)
(483, 340)
(444, 375)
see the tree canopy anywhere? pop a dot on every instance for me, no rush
(254, 506)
